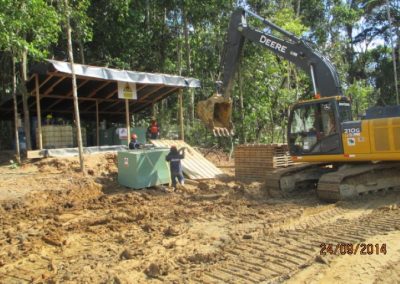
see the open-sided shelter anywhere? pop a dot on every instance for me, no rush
(50, 87)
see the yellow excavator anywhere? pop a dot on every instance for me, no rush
(349, 157)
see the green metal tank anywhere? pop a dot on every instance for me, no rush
(143, 168)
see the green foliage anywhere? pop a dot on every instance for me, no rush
(361, 95)
(13, 165)
(286, 19)
(82, 24)
(149, 35)
(28, 25)
(345, 15)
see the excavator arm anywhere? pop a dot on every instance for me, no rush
(216, 111)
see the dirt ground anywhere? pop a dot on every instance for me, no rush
(58, 226)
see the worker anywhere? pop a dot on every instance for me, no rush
(329, 123)
(60, 121)
(174, 158)
(134, 144)
(49, 119)
(153, 131)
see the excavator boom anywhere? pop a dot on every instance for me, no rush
(216, 111)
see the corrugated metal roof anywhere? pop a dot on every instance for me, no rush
(97, 87)
(106, 73)
(194, 166)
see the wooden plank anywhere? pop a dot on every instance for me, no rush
(36, 154)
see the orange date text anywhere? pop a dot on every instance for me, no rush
(352, 249)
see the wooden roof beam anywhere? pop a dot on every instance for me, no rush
(113, 93)
(79, 98)
(50, 89)
(155, 89)
(85, 112)
(69, 93)
(141, 99)
(33, 92)
(110, 106)
(94, 92)
(158, 99)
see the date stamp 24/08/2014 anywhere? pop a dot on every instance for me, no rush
(352, 249)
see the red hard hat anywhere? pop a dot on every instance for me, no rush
(134, 136)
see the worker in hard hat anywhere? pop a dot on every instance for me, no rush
(134, 144)
(153, 131)
(174, 158)
(49, 119)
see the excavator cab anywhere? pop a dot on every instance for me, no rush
(315, 126)
(215, 113)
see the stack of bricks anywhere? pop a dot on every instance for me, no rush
(254, 161)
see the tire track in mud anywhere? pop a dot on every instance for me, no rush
(274, 258)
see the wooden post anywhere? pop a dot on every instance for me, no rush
(74, 89)
(18, 152)
(180, 106)
(128, 127)
(25, 95)
(97, 124)
(39, 114)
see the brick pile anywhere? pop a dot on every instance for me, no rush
(254, 161)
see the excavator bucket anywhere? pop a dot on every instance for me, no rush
(215, 113)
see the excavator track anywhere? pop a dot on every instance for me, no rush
(334, 182)
(352, 180)
(283, 182)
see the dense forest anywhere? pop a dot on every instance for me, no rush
(186, 37)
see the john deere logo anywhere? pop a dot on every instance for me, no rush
(351, 141)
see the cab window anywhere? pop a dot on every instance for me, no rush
(314, 128)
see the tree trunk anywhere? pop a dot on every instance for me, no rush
(393, 52)
(25, 96)
(179, 65)
(147, 20)
(74, 89)
(188, 61)
(81, 51)
(298, 8)
(180, 111)
(18, 153)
